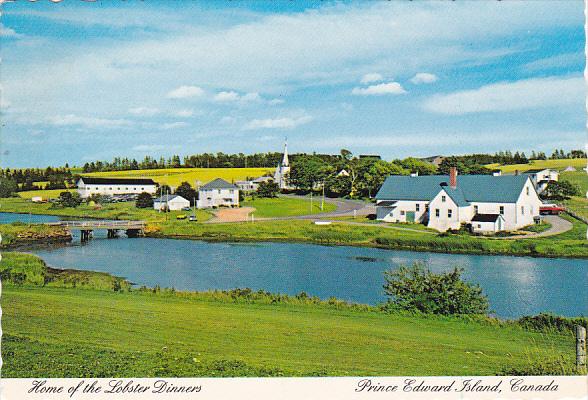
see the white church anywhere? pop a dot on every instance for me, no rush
(282, 173)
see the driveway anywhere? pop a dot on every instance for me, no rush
(558, 225)
(231, 215)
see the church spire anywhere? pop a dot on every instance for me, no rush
(285, 162)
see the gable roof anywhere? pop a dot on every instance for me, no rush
(168, 197)
(475, 188)
(536, 170)
(218, 183)
(486, 217)
(456, 195)
(116, 181)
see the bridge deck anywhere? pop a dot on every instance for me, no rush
(91, 225)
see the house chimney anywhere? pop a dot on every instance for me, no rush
(453, 177)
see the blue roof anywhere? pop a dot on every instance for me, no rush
(456, 195)
(218, 183)
(470, 188)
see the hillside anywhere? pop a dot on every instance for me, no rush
(559, 165)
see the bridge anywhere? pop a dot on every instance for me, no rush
(131, 228)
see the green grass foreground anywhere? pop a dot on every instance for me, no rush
(569, 244)
(98, 329)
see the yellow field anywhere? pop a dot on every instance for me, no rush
(45, 194)
(175, 176)
(560, 165)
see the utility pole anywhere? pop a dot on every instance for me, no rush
(323, 199)
(580, 332)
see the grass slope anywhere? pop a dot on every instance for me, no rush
(559, 165)
(175, 176)
(286, 207)
(89, 333)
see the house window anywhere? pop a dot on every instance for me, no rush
(443, 198)
(479, 226)
(418, 207)
(218, 191)
(522, 210)
(475, 209)
(426, 207)
(401, 212)
(109, 188)
(527, 190)
(437, 212)
(449, 213)
(501, 210)
(142, 188)
(117, 188)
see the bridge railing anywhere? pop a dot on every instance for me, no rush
(100, 224)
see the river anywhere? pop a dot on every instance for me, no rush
(515, 286)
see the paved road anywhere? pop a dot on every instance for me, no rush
(558, 225)
(345, 208)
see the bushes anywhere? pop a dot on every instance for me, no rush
(550, 322)
(418, 289)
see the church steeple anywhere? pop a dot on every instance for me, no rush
(285, 162)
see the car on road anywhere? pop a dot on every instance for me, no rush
(551, 209)
(192, 218)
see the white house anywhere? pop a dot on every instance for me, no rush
(445, 202)
(542, 177)
(252, 185)
(218, 193)
(172, 202)
(88, 186)
(487, 223)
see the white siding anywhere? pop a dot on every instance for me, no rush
(398, 214)
(443, 222)
(113, 189)
(218, 197)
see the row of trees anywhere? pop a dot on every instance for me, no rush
(271, 159)
(56, 178)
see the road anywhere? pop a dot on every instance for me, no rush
(558, 225)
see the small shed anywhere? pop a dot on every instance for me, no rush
(570, 169)
(487, 223)
(172, 202)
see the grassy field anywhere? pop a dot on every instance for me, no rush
(559, 165)
(175, 176)
(286, 207)
(569, 244)
(101, 329)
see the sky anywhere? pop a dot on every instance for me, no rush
(84, 81)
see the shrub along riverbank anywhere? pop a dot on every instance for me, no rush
(100, 329)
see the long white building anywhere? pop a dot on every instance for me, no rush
(88, 186)
(444, 202)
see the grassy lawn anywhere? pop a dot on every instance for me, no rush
(45, 194)
(124, 210)
(175, 176)
(286, 207)
(98, 328)
(569, 244)
(577, 163)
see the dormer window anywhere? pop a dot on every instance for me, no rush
(443, 199)
(528, 190)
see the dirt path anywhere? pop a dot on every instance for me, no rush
(231, 215)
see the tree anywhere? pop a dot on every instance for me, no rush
(187, 192)
(163, 189)
(8, 187)
(69, 199)
(144, 200)
(560, 190)
(307, 172)
(416, 288)
(376, 174)
(268, 189)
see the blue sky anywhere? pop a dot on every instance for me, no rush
(83, 81)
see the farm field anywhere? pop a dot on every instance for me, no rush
(175, 176)
(286, 207)
(559, 165)
(99, 328)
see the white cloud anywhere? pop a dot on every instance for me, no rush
(174, 125)
(145, 111)
(510, 96)
(226, 96)
(88, 122)
(8, 32)
(184, 113)
(378, 90)
(277, 123)
(184, 92)
(423, 77)
(565, 60)
(373, 77)
(232, 96)
(274, 102)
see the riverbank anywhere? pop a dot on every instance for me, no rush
(19, 234)
(93, 330)
(569, 244)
